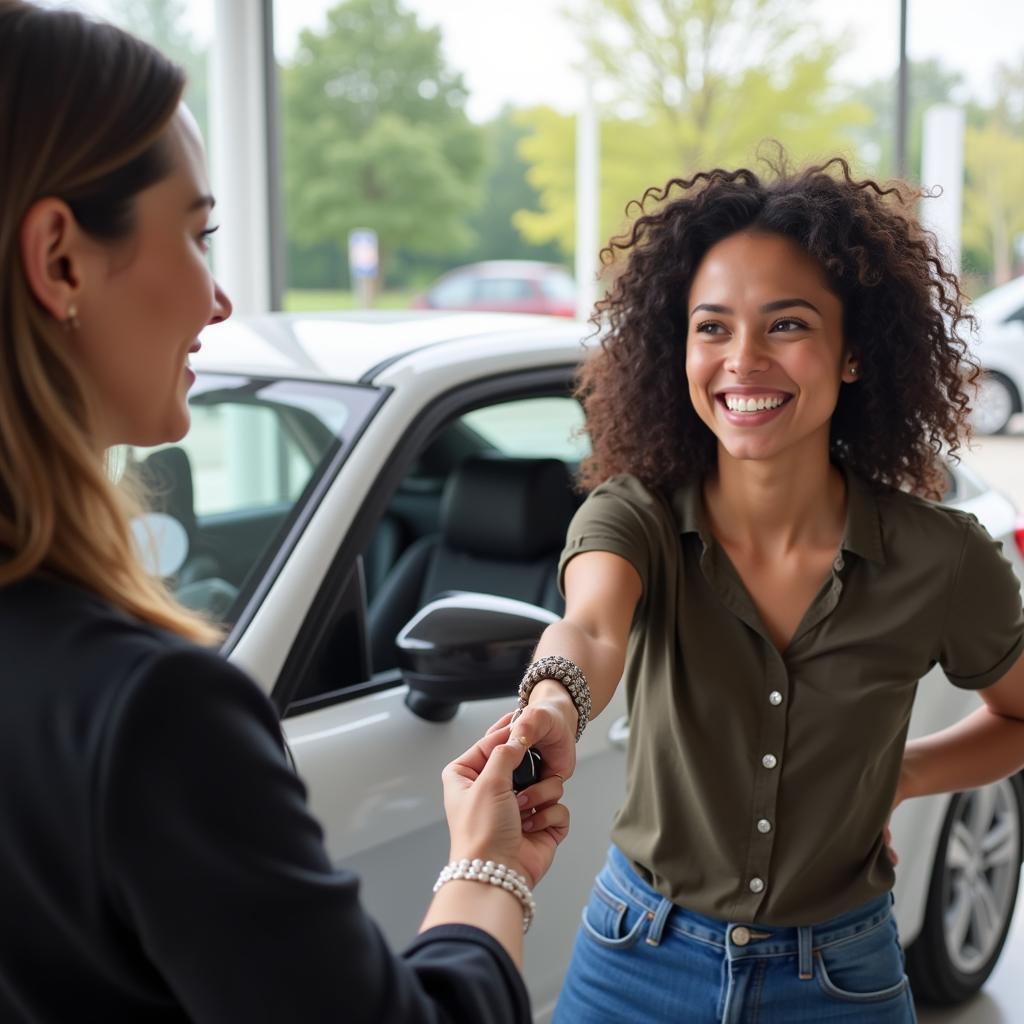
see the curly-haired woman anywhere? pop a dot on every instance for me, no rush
(158, 860)
(758, 559)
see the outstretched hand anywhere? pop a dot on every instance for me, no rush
(544, 726)
(488, 820)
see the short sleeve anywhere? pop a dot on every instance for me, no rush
(984, 629)
(618, 516)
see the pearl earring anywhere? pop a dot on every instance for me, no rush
(71, 323)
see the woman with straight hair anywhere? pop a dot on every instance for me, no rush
(158, 859)
(762, 560)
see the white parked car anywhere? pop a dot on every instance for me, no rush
(342, 471)
(1000, 350)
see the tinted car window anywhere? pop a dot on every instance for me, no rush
(533, 428)
(456, 291)
(241, 475)
(502, 289)
(560, 287)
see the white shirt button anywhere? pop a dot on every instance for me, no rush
(775, 698)
(757, 885)
(769, 760)
(764, 826)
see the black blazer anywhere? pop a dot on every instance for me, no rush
(157, 858)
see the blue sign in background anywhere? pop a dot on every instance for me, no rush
(362, 252)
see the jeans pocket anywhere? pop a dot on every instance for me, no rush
(866, 968)
(610, 920)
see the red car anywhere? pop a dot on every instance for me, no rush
(504, 286)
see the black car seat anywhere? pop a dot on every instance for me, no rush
(503, 524)
(381, 554)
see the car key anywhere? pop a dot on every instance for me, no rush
(528, 771)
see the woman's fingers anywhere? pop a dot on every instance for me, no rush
(469, 764)
(502, 760)
(500, 723)
(547, 791)
(554, 818)
(544, 727)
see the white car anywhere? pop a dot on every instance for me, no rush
(342, 471)
(1000, 350)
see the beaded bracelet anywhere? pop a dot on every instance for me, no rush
(563, 671)
(493, 874)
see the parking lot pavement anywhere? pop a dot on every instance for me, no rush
(1001, 1001)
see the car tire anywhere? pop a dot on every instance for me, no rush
(995, 403)
(972, 894)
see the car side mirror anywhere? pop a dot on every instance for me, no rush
(466, 646)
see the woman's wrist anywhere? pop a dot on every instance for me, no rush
(557, 669)
(471, 852)
(495, 876)
(912, 782)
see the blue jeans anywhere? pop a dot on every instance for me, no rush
(640, 959)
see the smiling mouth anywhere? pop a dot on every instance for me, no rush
(751, 405)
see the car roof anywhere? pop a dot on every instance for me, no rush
(356, 346)
(508, 268)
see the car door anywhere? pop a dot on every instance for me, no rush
(916, 824)
(373, 766)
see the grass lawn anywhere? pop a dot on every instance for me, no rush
(309, 301)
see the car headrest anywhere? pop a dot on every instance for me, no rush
(507, 509)
(167, 476)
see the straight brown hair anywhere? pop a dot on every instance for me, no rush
(85, 106)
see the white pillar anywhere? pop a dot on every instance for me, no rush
(587, 209)
(942, 164)
(238, 154)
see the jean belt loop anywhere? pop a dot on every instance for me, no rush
(658, 919)
(804, 939)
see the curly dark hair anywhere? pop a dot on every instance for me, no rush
(903, 312)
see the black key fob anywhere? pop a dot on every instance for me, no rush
(528, 771)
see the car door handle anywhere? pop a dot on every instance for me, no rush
(618, 734)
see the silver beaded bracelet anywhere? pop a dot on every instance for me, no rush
(563, 671)
(493, 874)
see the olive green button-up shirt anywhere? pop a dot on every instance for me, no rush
(758, 782)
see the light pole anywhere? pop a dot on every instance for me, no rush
(587, 173)
(902, 89)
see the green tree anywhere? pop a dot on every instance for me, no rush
(504, 192)
(993, 223)
(376, 134)
(993, 199)
(695, 83)
(163, 23)
(1009, 80)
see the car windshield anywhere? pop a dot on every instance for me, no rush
(238, 487)
(560, 287)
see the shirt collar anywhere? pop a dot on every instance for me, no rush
(862, 534)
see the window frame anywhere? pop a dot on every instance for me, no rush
(335, 594)
(265, 570)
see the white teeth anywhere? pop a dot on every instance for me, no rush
(737, 404)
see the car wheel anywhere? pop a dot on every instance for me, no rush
(972, 894)
(994, 404)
